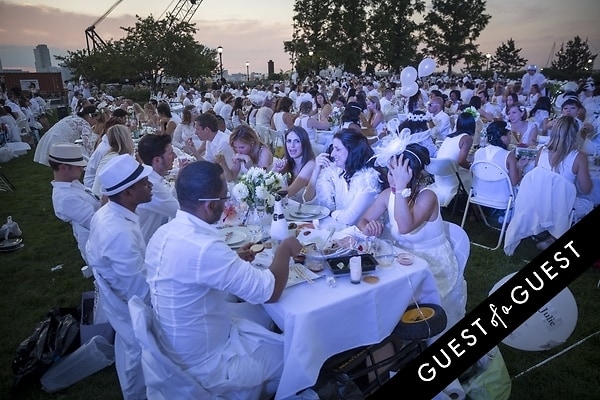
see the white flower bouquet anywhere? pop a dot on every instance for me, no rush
(335, 118)
(258, 184)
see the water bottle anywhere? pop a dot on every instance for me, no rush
(279, 226)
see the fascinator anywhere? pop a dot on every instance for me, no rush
(396, 144)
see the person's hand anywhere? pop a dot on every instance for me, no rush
(279, 164)
(245, 253)
(400, 171)
(373, 228)
(323, 160)
(293, 245)
(244, 158)
(219, 159)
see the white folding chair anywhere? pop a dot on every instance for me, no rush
(491, 187)
(165, 379)
(447, 184)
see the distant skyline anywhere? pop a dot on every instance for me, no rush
(255, 30)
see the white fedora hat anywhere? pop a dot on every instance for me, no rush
(67, 153)
(120, 173)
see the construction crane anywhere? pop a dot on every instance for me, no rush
(92, 36)
(184, 10)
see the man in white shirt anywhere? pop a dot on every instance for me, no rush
(217, 142)
(72, 202)
(189, 98)
(116, 250)
(181, 90)
(531, 77)
(157, 152)
(221, 102)
(440, 121)
(192, 271)
(488, 110)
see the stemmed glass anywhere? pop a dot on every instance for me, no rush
(254, 225)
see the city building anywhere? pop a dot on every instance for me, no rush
(42, 58)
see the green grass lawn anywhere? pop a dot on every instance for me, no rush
(28, 289)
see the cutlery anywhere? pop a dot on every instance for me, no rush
(299, 270)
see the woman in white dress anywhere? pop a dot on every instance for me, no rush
(120, 142)
(282, 117)
(415, 220)
(458, 144)
(249, 151)
(186, 130)
(524, 133)
(345, 181)
(68, 130)
(562, 156)
(376, 118)
(299, 161)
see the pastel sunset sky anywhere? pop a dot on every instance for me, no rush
(254, 30)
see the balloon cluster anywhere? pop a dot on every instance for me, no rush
(408, 76)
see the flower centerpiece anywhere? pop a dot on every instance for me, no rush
(473, 111)
(258, 185)
(335, 118)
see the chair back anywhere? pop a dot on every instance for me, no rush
(164, 378)
(115, 309)
(491, 185)
(446, 180)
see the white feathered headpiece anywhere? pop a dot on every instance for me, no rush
(395, 144)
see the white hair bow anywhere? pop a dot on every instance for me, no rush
(395, 144)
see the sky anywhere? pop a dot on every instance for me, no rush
(253, 31)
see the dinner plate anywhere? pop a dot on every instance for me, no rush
(10, 243)
(237, 236)
(307, 212)
(17, 247)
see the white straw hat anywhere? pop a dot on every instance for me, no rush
(67, 153)
(120, 173)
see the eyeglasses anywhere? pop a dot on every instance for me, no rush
(228, 196)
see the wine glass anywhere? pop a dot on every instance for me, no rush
(254, 225)
(283, 192)
(384, 252)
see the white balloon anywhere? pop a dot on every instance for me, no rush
(426, 67)
(409, 89)
(549, 327)
(408, 75)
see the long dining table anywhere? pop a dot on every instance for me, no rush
(321, 319)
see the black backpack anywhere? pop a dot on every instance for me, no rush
(52, 339)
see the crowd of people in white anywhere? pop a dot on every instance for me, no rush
(370, 171)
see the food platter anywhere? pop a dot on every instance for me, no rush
(338, 245)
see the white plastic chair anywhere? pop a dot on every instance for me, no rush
(490, 187)
(165, 380)
(456, 299)
(447, 184)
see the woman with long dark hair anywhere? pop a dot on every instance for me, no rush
(345, 180)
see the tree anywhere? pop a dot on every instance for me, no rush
(507, 58)
(392, 36)
(451, 28)
(575, 58)
(150, 50)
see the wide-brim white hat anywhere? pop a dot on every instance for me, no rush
(120, 173)
(67, 153)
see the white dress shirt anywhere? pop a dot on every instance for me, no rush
(191, 272)
(75, 204)
(220, 144)
(442, 127)
(116, 250)
(160, 209)
(92, 166)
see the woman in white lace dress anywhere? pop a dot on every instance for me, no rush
(68, 130)
(345, 181)
(186, 130)
(415, 221)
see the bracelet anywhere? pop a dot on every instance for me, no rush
(405, 193)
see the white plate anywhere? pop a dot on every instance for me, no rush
(307, 212)
(10, 243)
(17, 247)
(237, 237)
(294, 278)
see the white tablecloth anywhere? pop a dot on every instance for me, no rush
(319, 321)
